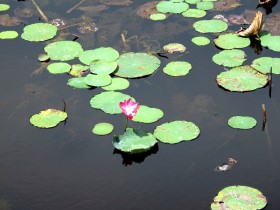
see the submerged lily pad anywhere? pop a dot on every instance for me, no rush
(172, 7)
(107, 54)
(78, 83)
(239, 197)
(194, 13)
(133, 65)
(147, 114)
(231, 41)
(98, 80)
(201, 40)
(43, 57)
(177, 68)
(210, 26)
(39, 32)
(48, 118)
(242, 122)
(176, 131)
(134, 141)
(229, 58)
(59, 68)
(272, 42)
(263, 64)
(4, 7)
(158, 16)
(63, 50)
(109, 101)
(102, 128)
(241, 79)
(224, 5)
(8, 35)
(117, 84)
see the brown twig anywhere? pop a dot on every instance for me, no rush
(270, 82)
(75, 6)
(44, 17)
(264, 116)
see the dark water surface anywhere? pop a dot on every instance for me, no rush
(70, 168)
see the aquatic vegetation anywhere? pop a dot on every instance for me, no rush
(147, 114)
(264, 64)
(272, 42)
(48, 118)
(172, 7)
(107, 54)
(59, 68)
(78, 82)
(103, 67)
(174, 47)
(23, 12)
(231, 41)
(38, 32)
(117, 84)
(200, 40)
(210, 26)
(98, 80)
(230, 58)
(6, 20)
(103, 128)
(147, 9)
(225, 5)
(43, 57)
(205, 5)
(177, 68)
(242, 122)
(129, 108)
(158, 16)
(254, 28)
(8, 35)
(194, 13)
(4, 7)
(77, 70)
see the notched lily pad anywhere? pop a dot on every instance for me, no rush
(177, 68)
(147, 114)
(48, 118)
(263, 64)
(242, 122)
(231, 41)
(107, 54)
(229, 58)
(39, 32)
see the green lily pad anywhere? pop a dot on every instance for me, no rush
(109, 101)
(8, 35)
(147, 114)
(176, 131)
(102, 128)
(63, 50)
(192, 1)
(210, 26)
(103, 67)
(201, 40)
(239, 198)
(272, 42)
(174, 47)
(205, 5)
(59, 68)
(177, 68)
(134, 141)
(78, 70)
(241, 79)
(107, 54)
(43, 57)
(263, 64)
(48, 118)
(4, 7)
(229, 58)
(117, 84)
(231, 41)
(158, 16)
(133, 65)
(242, 122)
(78, 83)
(98, 80)
(39, 32)
(172, 7)
(194, 13)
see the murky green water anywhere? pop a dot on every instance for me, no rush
(70, 168)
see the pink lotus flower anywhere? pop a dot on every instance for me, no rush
(129, 108)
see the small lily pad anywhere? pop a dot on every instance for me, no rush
(172, 7)
(59, 68)
(231, 41)
(134, 141)
(263, 64)
(109, 101)
(78, 70)
(8, 35)
(102, 128)
(174, 47)
(229, 58)
(48, 118)
(242, 122)
(239, 197)
(98, 80)
(205, 5)
(192, 1)
(241, 79)
(194, 13)
(210, 26)
(147, 114)
(39, 32)
(4, 7)
(43, 57)
(158, 16)
(78, 83)
(272, 42)
(103, 53)
(176, 131)
(177, 68)
(117, 84)
(103, 67)
(201, 40)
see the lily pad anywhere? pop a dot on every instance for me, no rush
(63, 50)
(210, 26)
(239, 197)
(109, 101)
(133, 65)
(98, 80)
(39, 32)
(8, 35)
(78, 70)
(176, 131)
(59, 68)
(177, 68)
(102, 128)
(147, 114)
(242, 122)
(158, 16)
(4, 7)
(172, 7)
(242, 79)
(231, 41)
(201, 40)
(174, 47)
(48, 118)
(117, 84)
(134, 141)
(194, 13)
(107, 54)
(205, 5)
(229, 58)
(78, 83)
(263, 64)
(43, 57)
(192, 1)
(103, 67)
(272, 42)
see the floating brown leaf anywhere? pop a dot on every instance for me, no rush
(254, 28)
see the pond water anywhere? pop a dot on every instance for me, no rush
(68, 167)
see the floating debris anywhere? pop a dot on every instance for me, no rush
(226, 166)
(23, 12)
(58, 22)
(254, 28)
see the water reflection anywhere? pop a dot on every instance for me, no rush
(129, 159)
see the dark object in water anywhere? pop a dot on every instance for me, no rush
(226, 166)
(267, 5)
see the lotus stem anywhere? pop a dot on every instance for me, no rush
(44, 17)
(126, 123)
(75, 6)
(264, 116)
(270, 81)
